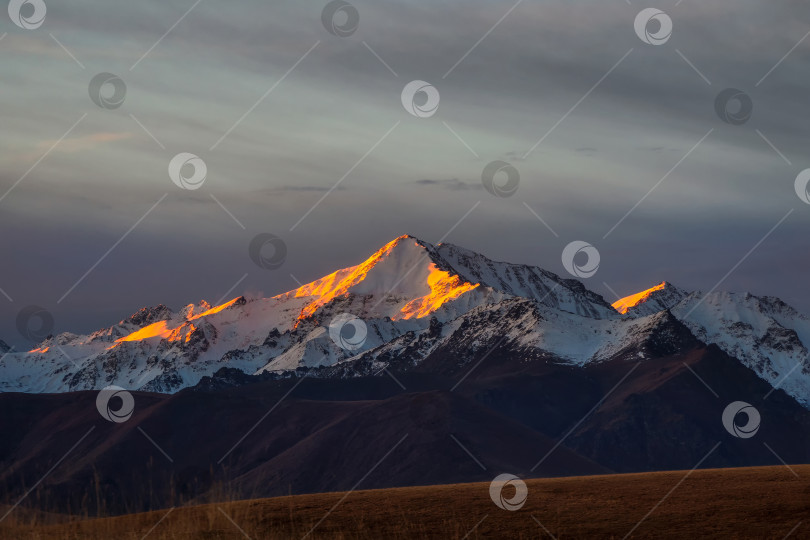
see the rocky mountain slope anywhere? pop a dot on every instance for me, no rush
(764, 333)
(456, 417)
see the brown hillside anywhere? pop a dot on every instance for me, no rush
(760, 502)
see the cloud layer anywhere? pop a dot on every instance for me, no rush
(603, 116)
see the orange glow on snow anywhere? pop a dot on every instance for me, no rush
(329, 287)
(215, 309)
(443, 288)
(623, 305)
(183, 332)
(158, 329)
(40, 350)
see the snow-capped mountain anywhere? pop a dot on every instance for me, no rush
(407, 305)
(764, 333)
(396, 291)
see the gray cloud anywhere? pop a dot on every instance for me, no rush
(453, 184)
(316, 128)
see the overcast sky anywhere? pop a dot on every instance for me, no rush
(301, 109)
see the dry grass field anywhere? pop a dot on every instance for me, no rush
(761, 502)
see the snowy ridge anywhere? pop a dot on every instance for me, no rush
(662, 296)
(417, 302)
(764, 333)
(527, 282)
(397, 290)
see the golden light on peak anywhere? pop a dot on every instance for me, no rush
(624, 305)
(338, 283)
(158, 329)
(441, 285)
(182, 332)
(215, 309)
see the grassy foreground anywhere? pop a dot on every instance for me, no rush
(761, 502)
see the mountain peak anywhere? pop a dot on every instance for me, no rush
(657, 298)
(404, 267)
(409, 278)
(148, 315)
